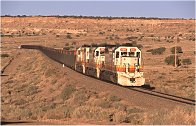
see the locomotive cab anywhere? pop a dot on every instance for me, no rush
(99, 56)
(128, 66)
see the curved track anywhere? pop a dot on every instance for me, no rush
(163, 95)
(145, 89)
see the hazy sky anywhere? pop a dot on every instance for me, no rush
(162, 9)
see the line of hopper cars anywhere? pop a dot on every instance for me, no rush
(118, 64)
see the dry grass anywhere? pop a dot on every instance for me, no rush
(39, 91)
(178, 116)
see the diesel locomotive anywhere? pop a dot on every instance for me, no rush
(117, 64)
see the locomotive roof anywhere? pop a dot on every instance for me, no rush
(109, 45)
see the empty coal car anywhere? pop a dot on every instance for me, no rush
(118, 64)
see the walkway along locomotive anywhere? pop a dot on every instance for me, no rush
(118, 64)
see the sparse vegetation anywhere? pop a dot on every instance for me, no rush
(67, 91)
(69, 36)
(5, 55)
(45, 94)
(170, 60)
(101, 33)
(178, 49)
(49, 72)
(32, 90)
(157, 50)
(186, 61)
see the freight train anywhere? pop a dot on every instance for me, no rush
(117, 64)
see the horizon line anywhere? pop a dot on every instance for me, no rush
(87, 16)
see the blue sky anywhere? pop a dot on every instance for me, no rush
(161, 9)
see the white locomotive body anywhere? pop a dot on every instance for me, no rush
(121, 65)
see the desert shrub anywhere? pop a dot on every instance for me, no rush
(5, 55)
(25, 113)
(68, 111)
(80, 97)
(48, 107)
(73, 43)
(20, 102)
(140, 46)
(101, 33)
(54, 114)
(69, 36)
(119, 106)
(178, 49)
(49, 72)
(120, 117)
(176, 116)
(186, 61)
(53, 81)
(67, 91)
(66, 44)
(89, 112)
(19, 113)
(131, 110)
(170, 60)
(133, 44)
(157, 50)
(102, 103)
(130, 38)
(3, 35)
(32, 90)
(111, 38)
(113, 98)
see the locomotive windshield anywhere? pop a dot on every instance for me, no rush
(102, 53)
(127, 54)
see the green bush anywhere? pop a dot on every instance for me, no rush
(170, 60)
(186, 61)
(157, 50)
(67, 91)
(178, 49)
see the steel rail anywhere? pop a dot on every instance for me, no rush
(164, 95)
(147, 90)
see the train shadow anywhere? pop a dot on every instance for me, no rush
(147, 87)
(3, 75)
(13, 122)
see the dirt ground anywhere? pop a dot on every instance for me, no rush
(35, 88)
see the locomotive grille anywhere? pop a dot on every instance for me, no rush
(132, 80)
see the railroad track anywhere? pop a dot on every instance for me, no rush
(152, 92)
(149, 90)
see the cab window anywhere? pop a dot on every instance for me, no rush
(79, 52)
(138, 54)
(131, 54)
(124, 54)
(102, 53)
(117, 54)
(97, 53)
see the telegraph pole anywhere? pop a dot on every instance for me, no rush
(175, 53)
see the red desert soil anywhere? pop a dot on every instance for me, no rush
(35, 88)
